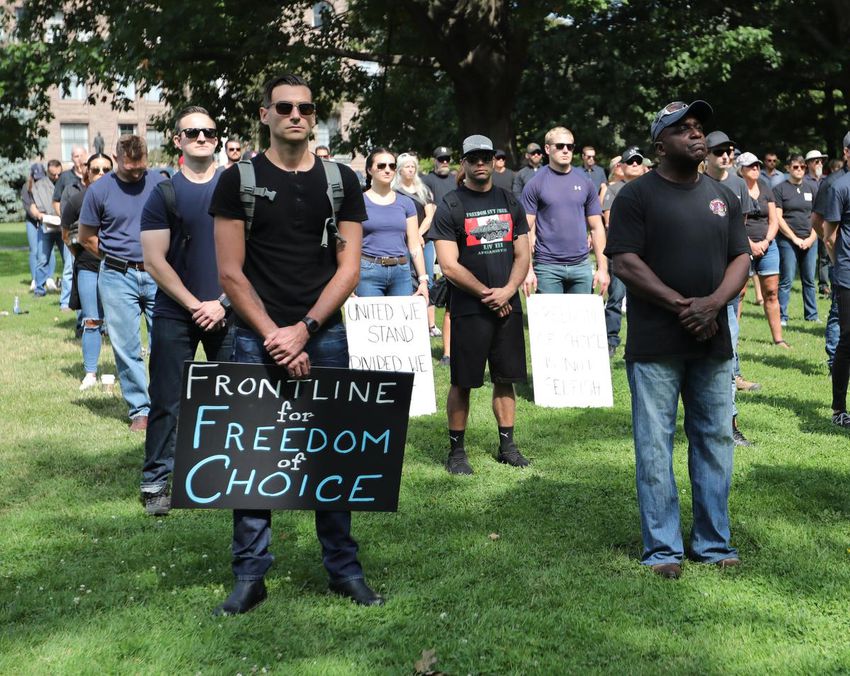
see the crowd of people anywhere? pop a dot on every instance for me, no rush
(254, 259)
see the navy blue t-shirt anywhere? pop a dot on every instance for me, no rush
(837, 210)
(114, 207)
(196, 266)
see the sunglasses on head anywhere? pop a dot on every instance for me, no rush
(99, 170)
(193, 132)
(720, 152)
(380, 166)
(285, 108)
(568, 146)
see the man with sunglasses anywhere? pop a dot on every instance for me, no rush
(109, 228)
(480, 234)
(814, 166)
(533, 160)
(562, 206)
(287, 289)
(233, 151)
(631, 164)
(502, 176)
(718, 162)
(679, 244)
(189, 307)
(588, 165)
(441, 180)
(771, 173)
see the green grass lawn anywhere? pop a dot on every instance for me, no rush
(89, 584)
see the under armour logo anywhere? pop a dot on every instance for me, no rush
(577, 187)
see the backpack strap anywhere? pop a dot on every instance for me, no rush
(249, 192)
(335, 192)
(175, 220)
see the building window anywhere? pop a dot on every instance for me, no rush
(154, 138)
(127, 91)
(154, 94)
(127, 128)
(76, 91)
(321, 12)
(325, 130)
(73, 135)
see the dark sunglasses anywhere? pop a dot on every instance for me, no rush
(720, 152)
(561, 146)
(478, 158)
(536, 152)
(98, 170)
(380, 166)
(193, 132)
(285, 108)
(234, 148)
(633, 161)
(443, 159)
(798, 166)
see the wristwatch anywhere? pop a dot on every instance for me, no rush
(312, 325)
(225, 302)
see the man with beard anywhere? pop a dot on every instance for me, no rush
(678, 243)
(441, 179)
(534, 160)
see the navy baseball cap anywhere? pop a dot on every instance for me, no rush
(37, 171)
(673, 112)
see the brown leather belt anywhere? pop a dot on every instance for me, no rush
(386, 261)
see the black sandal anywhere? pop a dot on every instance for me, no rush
(782, 343)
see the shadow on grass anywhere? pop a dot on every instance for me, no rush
(810, 412)
(112, 407)
(786, 361)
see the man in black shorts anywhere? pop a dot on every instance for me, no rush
(286, 289)
(481, 236)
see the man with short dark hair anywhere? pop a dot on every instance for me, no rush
(678, 243)
(49, 234)
(323, 152)
(110, 229)
(480, 235)
(771, 173)
(179, 253)
(233, 151)
(287, 290)
(595, 173)
(502, 176)
(534, 160)
(441, 179)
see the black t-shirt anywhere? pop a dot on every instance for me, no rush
(757, 220)
(796, 203)
(284, 259)
(440, 186)
(504, 180)
(70, 214)
(485, 241)
(687, 234)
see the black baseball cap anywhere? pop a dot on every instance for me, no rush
(675, 111)
(718, 138)
(631, 153)
(441, 151)
(500, 153)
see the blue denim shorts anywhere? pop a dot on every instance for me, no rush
(768, 264)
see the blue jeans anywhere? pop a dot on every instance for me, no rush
(791, 256)
(47, 259)
(384, 280)
(614, 308)
(173, 342)
(91, 310)
(32, 241)
(734, 332)
(833, 330)
(430, 254)
(252, 528)
(126, 296)
(704, 387)
(558, 278)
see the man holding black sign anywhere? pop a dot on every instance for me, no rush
(286, 286)
(481, 234)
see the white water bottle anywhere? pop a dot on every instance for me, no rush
(16, 308)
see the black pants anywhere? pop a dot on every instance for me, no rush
(841, 363)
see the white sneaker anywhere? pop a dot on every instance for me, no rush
(32, 285)
(50, 285)
(89, 382)
(434, 332)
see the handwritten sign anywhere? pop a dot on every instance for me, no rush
(390, 333)
(569, 351)
(250, 437)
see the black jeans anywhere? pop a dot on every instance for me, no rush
(252, 528)
(841, 363)
(173, 342)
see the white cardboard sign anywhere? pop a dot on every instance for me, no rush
(390, 333)
(569, 351)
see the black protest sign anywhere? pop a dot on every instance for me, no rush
(251, 437)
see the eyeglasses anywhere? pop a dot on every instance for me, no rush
(720, 152)
(99, 170)
(798, 166)
(234, 149)
(380, 166)
(193, 132)
(633, 161)
(443, 160)
(568, 146)
(285, 108)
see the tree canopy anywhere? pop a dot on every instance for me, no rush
(428, 72)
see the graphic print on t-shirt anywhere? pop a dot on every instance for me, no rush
(487, 228)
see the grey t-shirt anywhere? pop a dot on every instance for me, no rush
(611, 193)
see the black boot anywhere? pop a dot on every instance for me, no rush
(358, 591)
(246, 595)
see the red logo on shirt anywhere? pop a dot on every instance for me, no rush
(718, 207)
(484, 229)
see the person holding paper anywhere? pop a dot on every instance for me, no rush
(679, 245)
(481, 235)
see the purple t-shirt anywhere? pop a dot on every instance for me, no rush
(561, 203)
(385, 229)
(115, 208)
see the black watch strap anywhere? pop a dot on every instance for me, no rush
(312, 325)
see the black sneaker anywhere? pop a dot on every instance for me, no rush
(842, 419)
(739, 438)
(458, 462)
(512, 456)
(157, 504)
